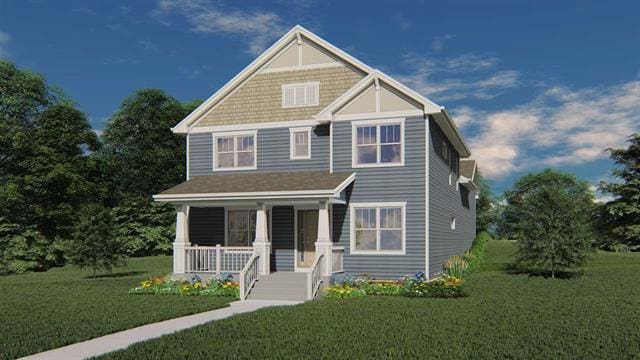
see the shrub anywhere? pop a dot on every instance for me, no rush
(474, 255)
(620, 248)
(456, 266)
(440, 287)
(222, 286)
(341, 291)
(383, 288)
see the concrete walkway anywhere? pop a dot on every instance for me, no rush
(122, 339)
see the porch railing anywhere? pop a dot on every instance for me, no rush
(314, 278)
(216, 259)
(337, 256)
(248, 276)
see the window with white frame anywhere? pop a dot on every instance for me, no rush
(300, 143)
(305, 94)
(378, 228)
(378, 143)
(235, 151)
(241, 227)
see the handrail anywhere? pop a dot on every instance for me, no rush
(248, 276)
(216, 259)
(314, 278)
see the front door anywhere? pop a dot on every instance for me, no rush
(307, 236)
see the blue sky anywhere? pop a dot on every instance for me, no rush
(531, 84)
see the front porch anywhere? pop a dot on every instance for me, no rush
(252, 234)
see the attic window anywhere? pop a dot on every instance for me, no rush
(297, 95)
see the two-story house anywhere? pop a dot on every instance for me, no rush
(310, 163)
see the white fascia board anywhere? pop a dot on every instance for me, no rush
(326, 114)
(451, 132)
(260, 61)
(344, 185)
(429, 106)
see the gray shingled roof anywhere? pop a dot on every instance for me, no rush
(466, 168)
(250, 182)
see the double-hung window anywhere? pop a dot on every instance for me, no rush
(378, 228)
(241, 227)
(378, 143)
(235, 151)
(300, 143)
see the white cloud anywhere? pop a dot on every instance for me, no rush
(559, 127)
(438, 42)
(468, 76)
(203, 16)
(4, 44)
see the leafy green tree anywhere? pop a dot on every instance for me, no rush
(94, 244)
(145, 155)
(551, 214)
(621, 216)
(145, 228)
(484, 213)
(43, 148)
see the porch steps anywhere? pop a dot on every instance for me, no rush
(280, 286)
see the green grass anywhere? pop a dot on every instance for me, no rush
(596, 315)
(42, 311)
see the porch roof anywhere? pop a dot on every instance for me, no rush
(259, 185)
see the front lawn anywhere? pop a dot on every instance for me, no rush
(42, 311)
(506, 316)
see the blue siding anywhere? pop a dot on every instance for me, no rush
(273, 151)
(445, 202)
(282, 229)
(385, 184)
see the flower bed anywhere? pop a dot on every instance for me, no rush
(222, 286)
(350, 287)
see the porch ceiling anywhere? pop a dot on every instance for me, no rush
(260, 185)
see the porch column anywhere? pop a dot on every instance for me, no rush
(323, 244)
(261, 244)
(182, 239)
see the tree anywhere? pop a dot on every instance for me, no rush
(43, 161)
(484, 213)
(551, 214)
(622, 214)
(145, 155)
(94, 243)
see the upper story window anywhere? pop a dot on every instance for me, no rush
(300, 143)
(378, 143)
(377, 228)
(235, 151)
(304, 94)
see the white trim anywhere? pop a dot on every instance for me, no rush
(331, 148)
(429, 107)
(235, 135)
(188, 162)
(377, 123)
(292, 145)
(302, 67)
(377, 206)
(453, 223)
(426, 194)
(303, 85)
(380, 115)
(253, 126)
(226, 220)
(259, 194)
(296, 208)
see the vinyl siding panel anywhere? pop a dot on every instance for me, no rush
(384, 184)
(273, 152)
(282, 229)
(206, 226)
(445, 202)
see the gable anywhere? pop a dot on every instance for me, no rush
(260, 98)
(387, 100)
